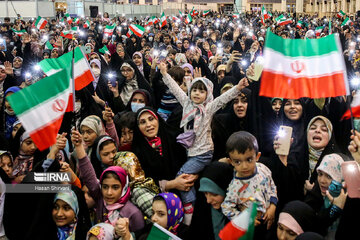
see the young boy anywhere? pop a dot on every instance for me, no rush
(252, 180)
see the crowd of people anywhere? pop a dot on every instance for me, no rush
(173, 131)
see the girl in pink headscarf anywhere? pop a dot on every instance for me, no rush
(111, 194)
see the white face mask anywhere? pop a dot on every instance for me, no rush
(136, 106)
(96, 72)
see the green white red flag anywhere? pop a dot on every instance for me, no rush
(137, 29)
(159, 233)
(236, 15)
(76, 20)
(41, 107)
(205, 13)
(355, 107)
(109, 29)
(19, 33)
(318, 30)
(105, 50)
(163, 20)
(188, 19)
(150, 21)
(49, 46)
(82, 73)
(264, 13)
(68, 18)
(67, 34)
(296, 68)
(285, 21)
(241, 227)
(40, 23)
(299, 24)
(347, 21)
(87, 24)
(156, 20)
(341, 14)
(129, 33)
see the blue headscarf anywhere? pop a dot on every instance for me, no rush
(10, 117)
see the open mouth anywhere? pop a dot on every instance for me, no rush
(323, 189)
(317, 139)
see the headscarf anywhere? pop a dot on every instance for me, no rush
(154, 142)
(189, 66)
(145, 93)
(130, 85)
(309, 236)
(196, 111)
(94, 123)
(23, 163)
(331, 165)
(314, 154)
(113, 213)
(102, 231)
(17, 71)
(10, 117)
(175, 210)
(298, 216)
(141, 67)
(96, 79)
(68, 232)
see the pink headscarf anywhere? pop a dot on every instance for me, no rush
(125, 194)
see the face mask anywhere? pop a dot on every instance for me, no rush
(150, 39)
(136, 106)
(96, 72)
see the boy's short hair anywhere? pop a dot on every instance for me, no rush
(172, 51)
(177, 73)
(198, 85)
(242, 141)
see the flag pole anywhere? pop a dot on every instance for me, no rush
(351, 115)
(73, 81)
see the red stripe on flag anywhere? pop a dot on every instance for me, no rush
(83, 80)
(70, 106)
(231, 232)
(355, 110)
(278, 85)
(46, 136)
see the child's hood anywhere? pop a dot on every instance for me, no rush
(209, 88)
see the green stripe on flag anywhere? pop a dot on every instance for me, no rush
(26, 99)
(299, 47)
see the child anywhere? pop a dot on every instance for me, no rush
(198, 110)
(111, 194)
(101, 231)
(252, 180)
(6, 163)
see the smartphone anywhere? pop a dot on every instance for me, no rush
(2, 45)
(86, 49)
(284, 135)
(113, 81)
(163, 55)
(351, 172)
(258, 68)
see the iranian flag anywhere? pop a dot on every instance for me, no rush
(264, 13)
(129, 33)
(347, 21)
(67, 34)
(355, 107)
(188, 19)
(285, 21)
(41, 107)
(299, 24)
(19, 33)
(280, 18)
(105, 50)
(82, 73)
(175, 19)
(150, 21)
(159, 233)
(49, 46)
(241, 227)
(40, 22)
(236, 15)
(318, 30)
(137, 29)
(205, 13)
(156, 20)
(163, 20)
(296, 68)
(109, 29)
(180, 13)
(76, 20)
(68, 18)
(340, 14)
(87, 24)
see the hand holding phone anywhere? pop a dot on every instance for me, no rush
(283, 140)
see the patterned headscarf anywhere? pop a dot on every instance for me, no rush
(175, 210)
(102, 231)
(331, 165)
(68, 232)
(113, 214)
(130, 85)
(94, 123)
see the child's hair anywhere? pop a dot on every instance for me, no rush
(198, 85)
(172, 51)
(159, 198)
(242, 141)
(105, 143)
(124, 120)
(110, 174)
(177, 73)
